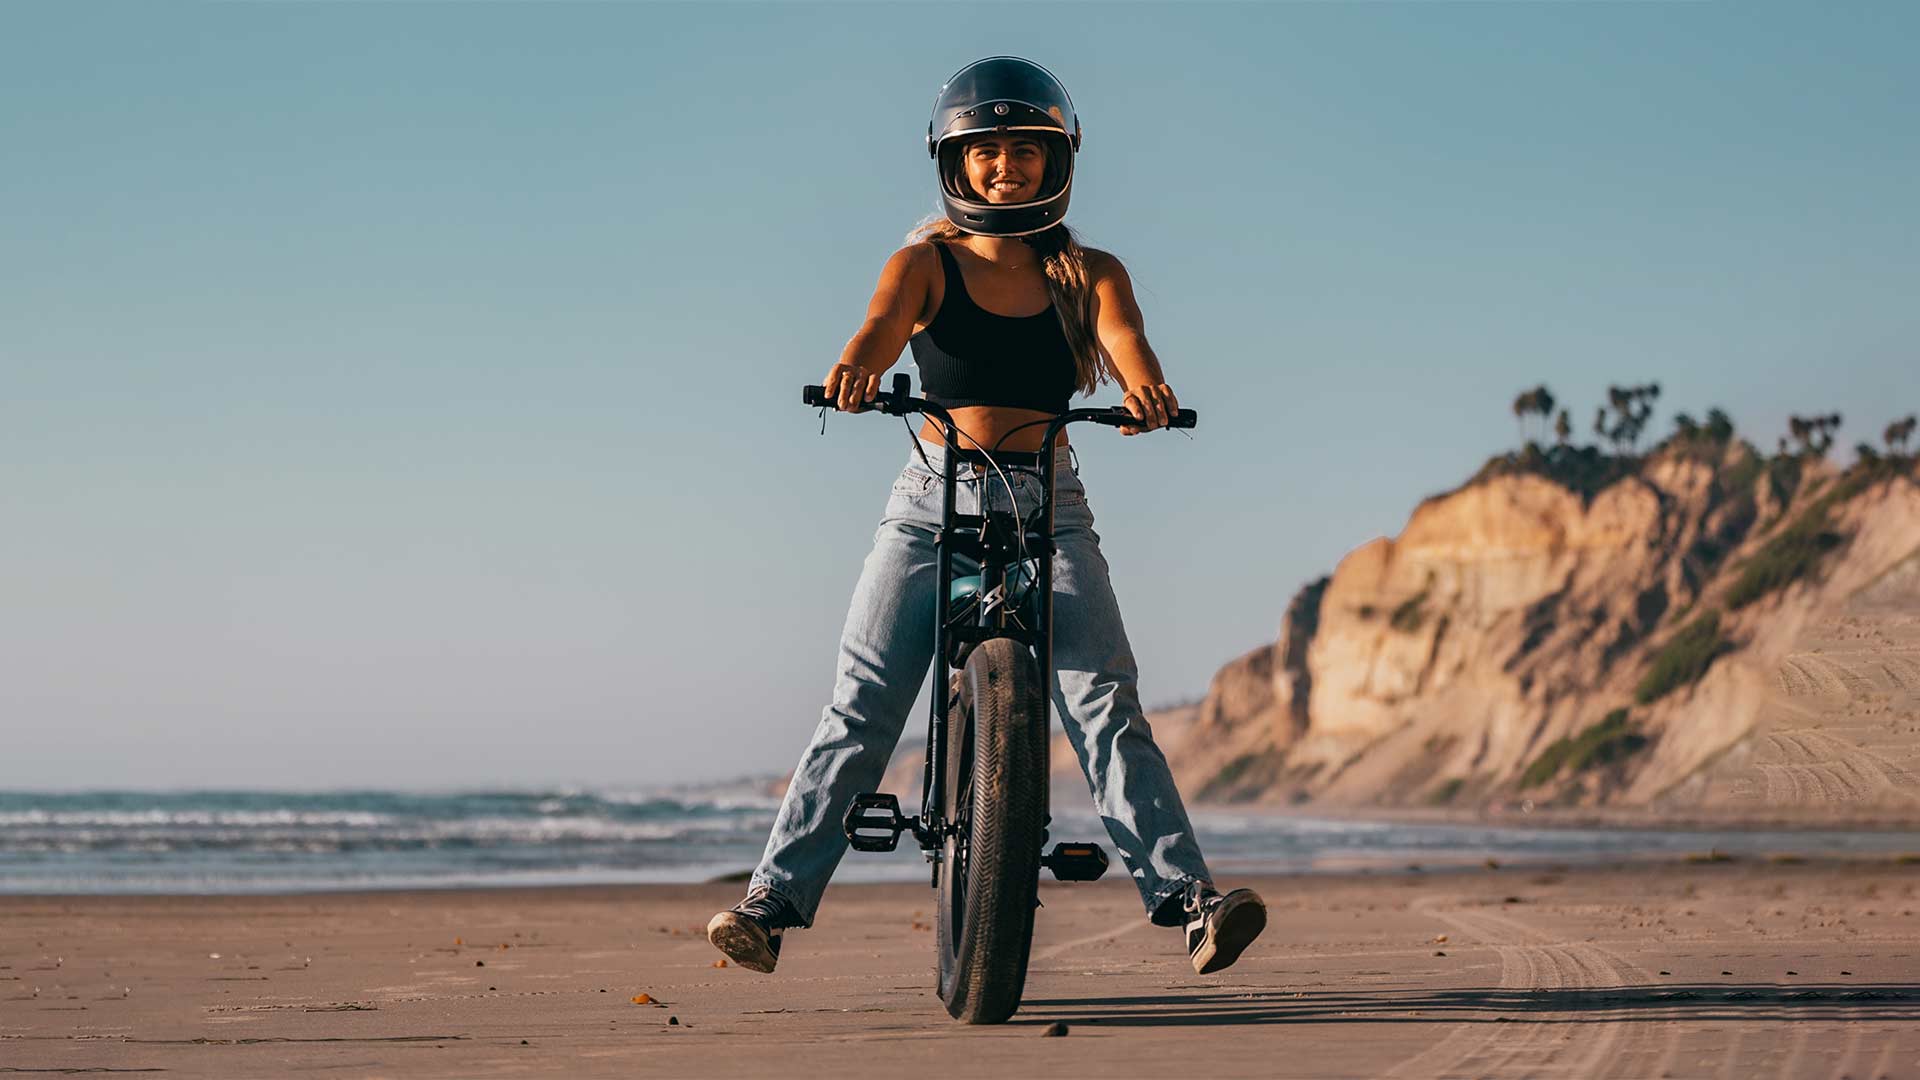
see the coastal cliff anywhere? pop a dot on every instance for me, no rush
(1705, 629)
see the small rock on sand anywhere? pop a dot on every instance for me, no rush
(1054, 1029)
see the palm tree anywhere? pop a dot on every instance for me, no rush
(1813, 433)
(1828, 424)
(1537, 400)
(1798, 429)
(1633, 405)
(1563, 428)
(1899, 432)
(1643, 398)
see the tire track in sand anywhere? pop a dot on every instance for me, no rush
(1902, 673)
(1817, 768)
(1851, 680)
(1794, 680)
(1803, 766)
(1530, 960)
(1846, 674)
(1077, 944)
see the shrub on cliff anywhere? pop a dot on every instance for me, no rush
(1794, 551)
(1684, 659)
(1785, 559)
(1608, 741)
(1700, 441)
(1408, 617)
(1244, 777)
(1740, 478)
(1584, 470)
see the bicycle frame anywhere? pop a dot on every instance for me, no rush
(985, 539)
(995, 552)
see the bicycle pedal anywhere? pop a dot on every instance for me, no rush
(1076, 862)
(874, 822)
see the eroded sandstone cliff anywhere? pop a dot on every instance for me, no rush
(1574, 629)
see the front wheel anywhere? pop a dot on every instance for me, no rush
(996, 798)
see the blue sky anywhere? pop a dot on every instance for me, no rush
(405, 393)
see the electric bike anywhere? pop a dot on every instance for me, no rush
(983, 811)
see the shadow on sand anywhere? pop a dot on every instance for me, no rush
(1685, 1001)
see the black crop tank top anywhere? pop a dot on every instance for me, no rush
(969, 356)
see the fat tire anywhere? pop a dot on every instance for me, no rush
(997, 784)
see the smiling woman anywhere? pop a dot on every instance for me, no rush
(1008, 316)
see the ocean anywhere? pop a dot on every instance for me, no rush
(231, 842)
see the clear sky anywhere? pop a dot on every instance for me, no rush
(406, 393)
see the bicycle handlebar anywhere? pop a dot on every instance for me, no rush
(900, 403)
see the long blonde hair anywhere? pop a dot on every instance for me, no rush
(1065, 263)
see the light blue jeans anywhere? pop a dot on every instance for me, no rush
(887, 646)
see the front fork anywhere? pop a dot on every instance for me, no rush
(993, 549)
(991, 540)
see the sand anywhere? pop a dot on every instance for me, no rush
(1837, 738)
(1738, 969)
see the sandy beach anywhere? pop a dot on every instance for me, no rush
(1675, 969)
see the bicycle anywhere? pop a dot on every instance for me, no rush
(983, 811)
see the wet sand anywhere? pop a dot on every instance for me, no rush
(1743, 969)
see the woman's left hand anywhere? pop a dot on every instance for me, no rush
(1153, 404)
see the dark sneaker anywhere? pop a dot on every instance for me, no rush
(1219, 928)
(749, 932)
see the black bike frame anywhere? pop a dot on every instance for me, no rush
(982, 537)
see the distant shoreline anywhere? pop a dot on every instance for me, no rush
(255, 844)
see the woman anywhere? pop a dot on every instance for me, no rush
(1007, 315)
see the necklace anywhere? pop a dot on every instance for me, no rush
(1001, 266)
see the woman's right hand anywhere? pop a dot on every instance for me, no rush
(850, 386)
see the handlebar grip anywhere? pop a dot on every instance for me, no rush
(1118, 416)
(818, 398)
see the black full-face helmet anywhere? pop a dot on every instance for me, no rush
(1004, 94)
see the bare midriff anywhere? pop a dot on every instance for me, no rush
(988, 424)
